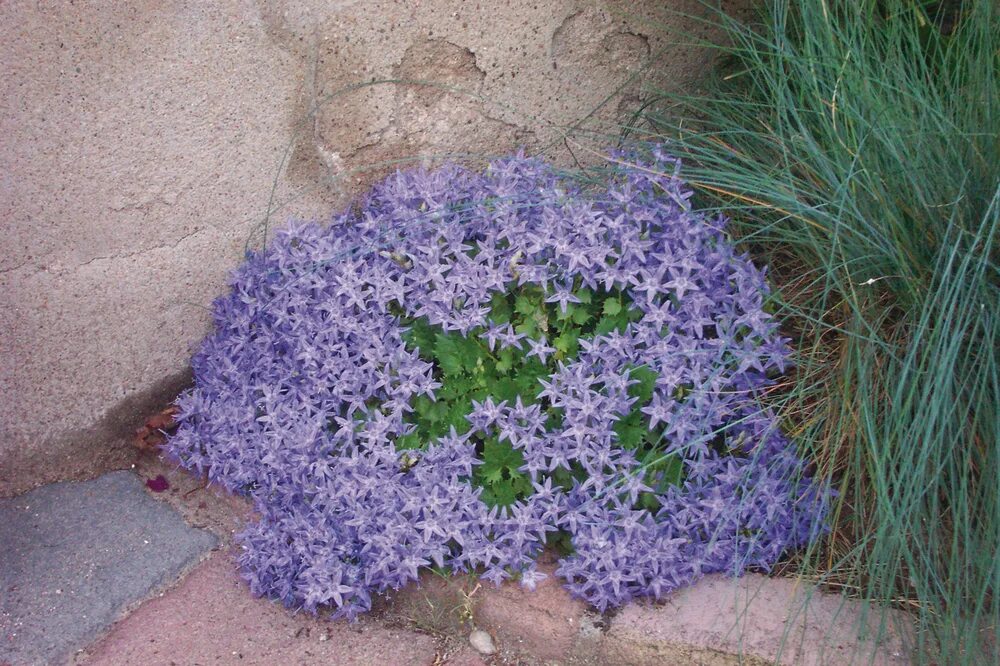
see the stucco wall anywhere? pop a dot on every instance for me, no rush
(141, 142)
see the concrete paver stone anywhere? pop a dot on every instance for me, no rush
(75, 556)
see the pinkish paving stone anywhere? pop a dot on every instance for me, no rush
(211, 618)
(764, 620)
(544, 623)
(465, 657)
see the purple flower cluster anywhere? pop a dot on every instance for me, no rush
(306, 384)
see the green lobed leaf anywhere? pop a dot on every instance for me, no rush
(643, 389)
(448, 354)
(581, 316)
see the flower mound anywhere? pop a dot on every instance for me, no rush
(593, 355)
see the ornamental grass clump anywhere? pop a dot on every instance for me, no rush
(856, 146)
(465, 368)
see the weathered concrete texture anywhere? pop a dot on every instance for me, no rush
(74, 556)
(453, 78)
(140, 144)
(142, 141)
(210, 618)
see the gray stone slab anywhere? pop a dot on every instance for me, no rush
(75, 556)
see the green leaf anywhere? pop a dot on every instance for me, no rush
(581, 316)
(563, 477)
(566, 342)
(671, 467)
(649, 502)
(525, 304)
(470, 351)
(631, 430)
(673, 472)
(437, 412)
(520, 482)
(499, 474)
(493, 475)
(453, 388)
(448, 354)
(527, 383)
(554, 421)
(562, 541)
(505, 360)
(647, 382)
(605, 325)
(500, 310)
(457, 415)
(497, 454)
(506, 389)
(411, 441)
(528, 327)
(612, 307)
(421, 404)
(420, 336)
(503, 494)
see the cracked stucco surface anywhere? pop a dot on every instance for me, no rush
(142, 141)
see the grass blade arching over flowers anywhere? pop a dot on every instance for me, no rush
(856, 146)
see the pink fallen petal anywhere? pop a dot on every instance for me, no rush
(158, 485)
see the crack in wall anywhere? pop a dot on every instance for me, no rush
(49, 261)
(58, 269)
(17, 267)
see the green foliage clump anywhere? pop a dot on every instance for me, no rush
(469, 370)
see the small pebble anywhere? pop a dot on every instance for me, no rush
(482, 642)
